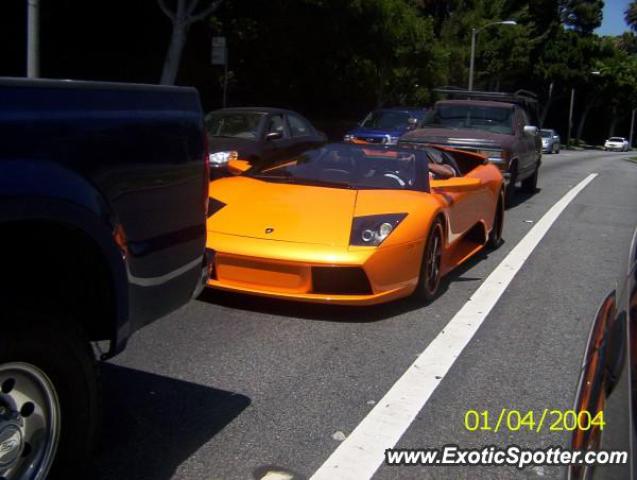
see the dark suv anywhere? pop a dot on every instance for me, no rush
(495, 124)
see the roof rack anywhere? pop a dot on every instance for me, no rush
(519, 96)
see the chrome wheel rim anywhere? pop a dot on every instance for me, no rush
(432, 267)
(29, 422)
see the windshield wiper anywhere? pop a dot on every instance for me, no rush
(320, 183)
(300, 181)
(272, 178)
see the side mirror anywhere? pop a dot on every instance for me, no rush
(237, 167)
(274, 136)
(530, 130)
(455, 184)
(412, 123)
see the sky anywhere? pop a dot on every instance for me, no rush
(613, 23)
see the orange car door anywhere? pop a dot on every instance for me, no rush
(466, 203)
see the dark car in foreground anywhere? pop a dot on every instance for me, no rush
(607, 389)
(257, 134)
(386, 125)
(103, 199)
(551, 141)
(497, 125)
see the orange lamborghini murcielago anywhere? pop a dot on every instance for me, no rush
(352, 224)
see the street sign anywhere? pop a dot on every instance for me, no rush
(219, 53)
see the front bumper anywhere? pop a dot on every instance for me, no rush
(292, 271)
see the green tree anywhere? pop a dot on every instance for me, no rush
(583, 16)
(631, 15)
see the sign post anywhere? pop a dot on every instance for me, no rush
(219, 56)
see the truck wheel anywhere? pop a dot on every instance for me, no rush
(495, 236)
(429, 278)
(509, 191)
(48, 400)
(529, 185)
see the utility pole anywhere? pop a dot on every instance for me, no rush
(33, 38)
(632, 127)
(570, 119)
(474, 32)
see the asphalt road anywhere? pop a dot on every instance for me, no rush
(232, 387)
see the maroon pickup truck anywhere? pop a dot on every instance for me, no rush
(494, 124)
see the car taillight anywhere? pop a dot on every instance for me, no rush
(206, 177)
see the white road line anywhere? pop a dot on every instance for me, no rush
(360, 455)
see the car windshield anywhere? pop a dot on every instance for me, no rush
(385, 120)
(616, 139)
(546, 133)
(351, 166)
(233, 124)
(477, 117)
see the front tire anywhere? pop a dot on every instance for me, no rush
(429, 278)
(509, 191)
(48, 383)
(495, 235)
(529, 185)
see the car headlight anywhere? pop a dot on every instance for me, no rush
(348, 138)
(390, 140)
(372, 230)
(497, 157)
(220, 159)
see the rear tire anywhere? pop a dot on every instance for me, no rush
(66, 362)
(429, 278)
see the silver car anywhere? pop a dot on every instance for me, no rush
(550, 141)
(617, 144)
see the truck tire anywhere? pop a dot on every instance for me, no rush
(529, 184)
(495, 236)
(48, 382)
(509, 191)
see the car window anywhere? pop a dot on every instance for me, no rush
(351, 166)
(233, 124)
(384, 120)
(494, 119)
(299, 127)
(275, 124)
(519, 122)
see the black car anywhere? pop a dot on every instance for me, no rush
(256, 134)
(608, 382)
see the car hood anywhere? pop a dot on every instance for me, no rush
(372, 132)
(459, 137)
(282, 212)
(243, 146)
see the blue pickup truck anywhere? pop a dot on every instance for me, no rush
(386, 125)
(103, 199)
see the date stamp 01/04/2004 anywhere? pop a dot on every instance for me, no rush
(533, 421)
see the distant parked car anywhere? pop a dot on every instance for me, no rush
(386, 125)
(245, 136)
(550, 141)
(617, 144)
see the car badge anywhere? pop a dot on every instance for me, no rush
(269, 230)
